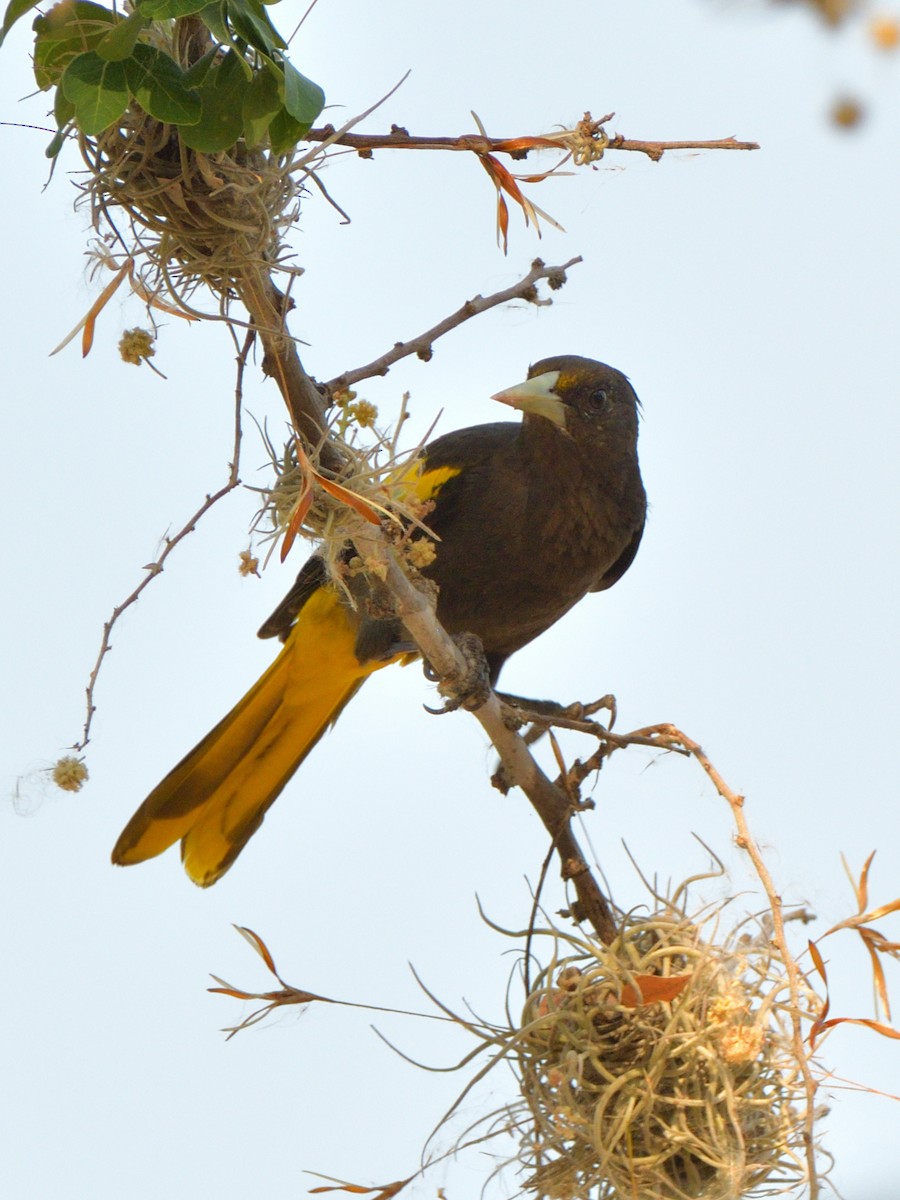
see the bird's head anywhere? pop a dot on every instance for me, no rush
(578, 395)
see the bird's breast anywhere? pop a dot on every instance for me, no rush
(523, 567)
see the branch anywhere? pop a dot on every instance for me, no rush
(745, 841)
(422, 345)
(155, 568)
(304, 403)
(516, 147)
(520, 769)
(656, 150)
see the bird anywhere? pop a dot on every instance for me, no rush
(527, 518)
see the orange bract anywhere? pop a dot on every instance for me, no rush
(89, 320)
(505, 181)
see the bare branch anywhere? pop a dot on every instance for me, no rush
(305, 404)
(520, 769)
(656, 150)
(747, 843)
(422, 345)
(517, 147)
(155, 568)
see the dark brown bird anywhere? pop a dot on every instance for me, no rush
(530, 517)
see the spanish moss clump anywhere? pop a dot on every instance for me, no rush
(377, 475)
(660, 1066)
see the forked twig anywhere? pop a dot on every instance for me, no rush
(422, 345)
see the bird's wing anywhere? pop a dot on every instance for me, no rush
(614, 573)
(312, 575)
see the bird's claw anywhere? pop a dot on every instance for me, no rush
(467, 688)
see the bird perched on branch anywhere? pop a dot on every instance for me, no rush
(529, 517)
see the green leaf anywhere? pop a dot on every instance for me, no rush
(97, 89)
(250, 22)
(14, 10)
(122, 38)
(213, 17)
(261, 102)
(67, 31)
(51, 59)
(303, 99)
(71, 19)
(221, 119)
(285, 133)
(157, 83)
(63, 108)
(196, 73)
(56, 144)
(161, 10)
(63, 112)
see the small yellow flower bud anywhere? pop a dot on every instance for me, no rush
(364, 413)
(847, 113)
(420, 553)
(135, 345)
(70, 773)
(249, 564)
(741, 1043)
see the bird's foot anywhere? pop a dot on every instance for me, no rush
(531, 711)
(541, 715)
(469, 687)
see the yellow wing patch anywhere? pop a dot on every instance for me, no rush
(429, 481)
(425, 482)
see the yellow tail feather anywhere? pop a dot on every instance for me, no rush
(217, 796)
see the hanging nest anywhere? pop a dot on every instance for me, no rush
(195, 219)
(198, 219)
(660, 1067)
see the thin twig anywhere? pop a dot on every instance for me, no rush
(669, 737)
(422, 345)
(155, 568)
(656, 150)
(331, 136)
(299, 24)
(746, 842)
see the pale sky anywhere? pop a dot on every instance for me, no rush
(753, 301)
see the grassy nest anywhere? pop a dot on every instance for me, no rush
(660, 1067)
(196, 219)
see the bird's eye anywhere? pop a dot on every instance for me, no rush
(598, 399)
